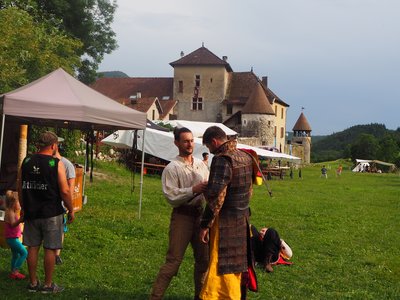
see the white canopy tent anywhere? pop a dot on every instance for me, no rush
(58, 99)
(198, 128)
(362, 164)
(156, 143)
(160, 144)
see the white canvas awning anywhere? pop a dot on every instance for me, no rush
(198, 128)
(157, 143)
(161, 144)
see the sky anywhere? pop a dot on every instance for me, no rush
(337, 59)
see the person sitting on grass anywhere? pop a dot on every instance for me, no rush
(13, 234)
(268, 247)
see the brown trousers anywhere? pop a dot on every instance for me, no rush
(184, 229)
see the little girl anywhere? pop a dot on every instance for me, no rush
(13, 233)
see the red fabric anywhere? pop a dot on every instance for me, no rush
(282, 261)
(252, 283)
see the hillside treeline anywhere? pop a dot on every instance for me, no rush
(372, 141)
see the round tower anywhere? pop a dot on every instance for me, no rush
(258, 117)
(301, 140)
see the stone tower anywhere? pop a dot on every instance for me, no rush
(200, 85)
(301, 141)
(258, 117)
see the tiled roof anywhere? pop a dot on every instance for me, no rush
(241, 86)
(123, 88)
(245, 88)
(167, 107)
(302, 124)
(201, 56)
(273, 97)
(258, 102)
(141, 104)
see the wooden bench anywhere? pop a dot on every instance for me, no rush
(274, 172)
(149, 168)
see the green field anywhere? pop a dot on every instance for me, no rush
(344, 233)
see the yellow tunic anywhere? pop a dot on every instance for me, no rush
(216, 286)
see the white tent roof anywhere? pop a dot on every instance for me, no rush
(361, 164)
(160, 144)
(198, 128)
(59, 97)
(157, 143)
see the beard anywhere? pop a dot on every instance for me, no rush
(186, 151)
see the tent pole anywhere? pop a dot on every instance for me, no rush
(23, 144)
(1, 136)
(141, 174)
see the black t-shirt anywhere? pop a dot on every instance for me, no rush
(40, 191)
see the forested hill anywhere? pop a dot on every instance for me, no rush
(112, 74)
(338, 145)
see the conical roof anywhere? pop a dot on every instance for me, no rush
(258, 103)
(302, 124)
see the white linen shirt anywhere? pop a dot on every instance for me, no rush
(179, 177)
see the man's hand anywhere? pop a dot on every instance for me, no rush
(71, 217)
(200, 188)
(204, 236)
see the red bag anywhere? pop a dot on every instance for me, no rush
(249, 280)
(252, 284)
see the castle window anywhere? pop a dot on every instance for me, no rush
(282, 132)
(197, 81)
(153, 114)
(180, 86)
(229, 109)
(197, 104)
(282, 113)
(276, 110)
(244, 122)
(275, 130)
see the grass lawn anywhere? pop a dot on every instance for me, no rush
(344, 233)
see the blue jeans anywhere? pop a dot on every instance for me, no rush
(19, 253)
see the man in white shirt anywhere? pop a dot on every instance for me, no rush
(183, 182)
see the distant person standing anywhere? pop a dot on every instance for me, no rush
(183, 182)
(205, 158)
(339, 171)
(71, 175)
(225, 221)
(42, 188)
(324, 172)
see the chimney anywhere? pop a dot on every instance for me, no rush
(182, 54)
(224, 58)
(265, 81)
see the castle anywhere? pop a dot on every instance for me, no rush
(205, 88)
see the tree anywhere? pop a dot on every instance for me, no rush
(29, 50)
(388, 149)
(89, 21)
(86, 20)
(365, 147)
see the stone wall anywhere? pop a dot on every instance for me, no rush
(213, 86)
(258, 126)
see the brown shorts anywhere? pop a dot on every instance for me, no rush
(49, 231)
